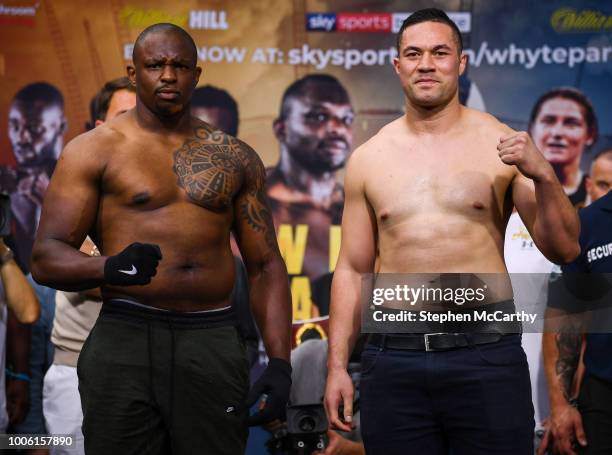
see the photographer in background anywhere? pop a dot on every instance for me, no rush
(309, 365)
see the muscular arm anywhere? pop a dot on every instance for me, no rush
(20, 297)
(541, 202)
(68, 214)
(268, 280)
(356, 257)
(561, 351)
(548, 215)
(561, 345)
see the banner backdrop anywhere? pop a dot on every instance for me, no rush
(255, 50)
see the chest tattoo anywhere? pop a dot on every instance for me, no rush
(208, 169)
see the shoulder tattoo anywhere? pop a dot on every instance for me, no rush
(254, 205)
(208, 169)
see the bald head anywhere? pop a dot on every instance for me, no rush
(599, 182)
(164, 70)
(164, 28)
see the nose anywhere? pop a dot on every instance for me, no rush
(335, 126)
(24, 135)
(425, 63)
(169, 74)
(557, 129)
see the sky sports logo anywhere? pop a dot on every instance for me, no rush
(349, 22)
(372, 22)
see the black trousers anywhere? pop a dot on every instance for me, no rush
(154, 382)
(467, 401)
(595, 406)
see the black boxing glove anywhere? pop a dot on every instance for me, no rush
(136, 264)
(275, 382)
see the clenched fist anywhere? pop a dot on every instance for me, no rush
(34, 186)
(517, 149)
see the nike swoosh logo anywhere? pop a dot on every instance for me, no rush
(129, 272)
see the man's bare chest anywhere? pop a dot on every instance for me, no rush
(467, 183)
(203, 170)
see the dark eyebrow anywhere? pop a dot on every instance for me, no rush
(435, 48)
(412, 48)
(158, 59)
(320, 106)
(317, 105)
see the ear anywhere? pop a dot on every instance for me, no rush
(131, 73)
(278, 126)
(463, 62)
(588, 183)
(198, 73)
(396, 64)
(98, 123)
(63, 126)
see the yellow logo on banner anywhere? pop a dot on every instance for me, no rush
(292, 248)
(301, 298)
(292, 243)
(570, 20)
(138, 17)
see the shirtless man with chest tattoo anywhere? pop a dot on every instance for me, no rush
(164, 369)
(431, 193)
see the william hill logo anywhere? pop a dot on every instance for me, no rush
(196, 19)
(208, 20)
(139, 17)
(570, 20)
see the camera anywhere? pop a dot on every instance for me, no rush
(306, 431)
(306, 419)
(5, 215)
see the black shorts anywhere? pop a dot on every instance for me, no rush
(162, 382)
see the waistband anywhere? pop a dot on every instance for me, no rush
(433, 341)
(133, 311)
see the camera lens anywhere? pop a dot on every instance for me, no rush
(307, 424)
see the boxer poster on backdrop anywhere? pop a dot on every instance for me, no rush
(255, 50)
(54, 56)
